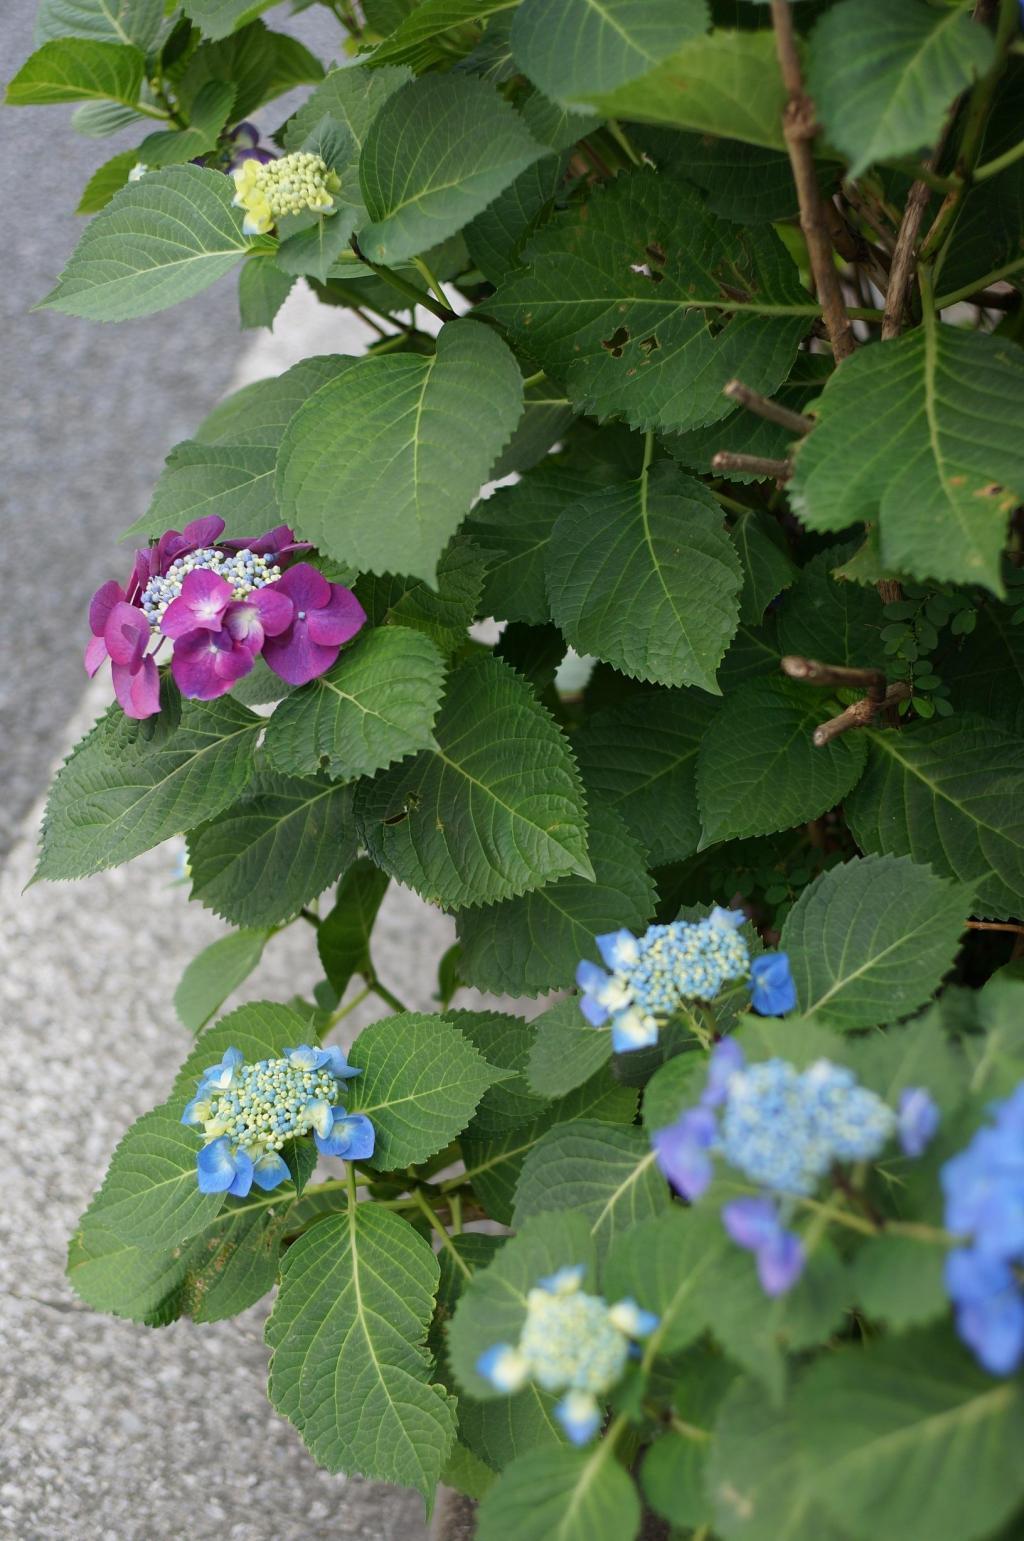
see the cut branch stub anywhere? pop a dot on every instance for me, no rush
(879, 697)
(764, 407)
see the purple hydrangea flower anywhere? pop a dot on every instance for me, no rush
(126, 636)
(918, 1120)
(217, 638)
(772, 990)
(324, 617)
(725, 1060)
(754, 1224)
(682, 1151)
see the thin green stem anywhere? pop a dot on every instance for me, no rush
(624, 143)
(978, 284)
(351, 1005)
(923, 173)
(648, 453)
(455, 1205)
(431, 281)
(998, 163)
(534, 379)
(387, 996)
(403, 286)
(151, 112)
(730, 503)
(442, 1234)
(350, 1184)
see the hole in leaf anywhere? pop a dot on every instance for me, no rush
(656, 252)
(616, 342)
(646, 272)
(649, 344)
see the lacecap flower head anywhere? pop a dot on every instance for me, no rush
(246, 1112)
(984, 1189)
(648, 979)
(783, 1129)
(570, 1342)
(268, 190)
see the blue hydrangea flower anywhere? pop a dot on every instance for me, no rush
(754, 1224)
(918, 1120)
(984, 1190)
(246, 1112)
(772, 991)
(570, 1342)
(683, 1151)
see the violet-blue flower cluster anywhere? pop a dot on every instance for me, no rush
(648, 979)
(247, 1111)
(221, 606)
(783, 1129)
(570, 1342)
(984, 1189)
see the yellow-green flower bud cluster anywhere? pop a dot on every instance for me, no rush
(290, 185)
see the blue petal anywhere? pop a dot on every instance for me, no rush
(503, 1366)
(215, 1167)
(305, 1057)
(337, 1064)
(629, 1031)
(270, 1171)
(595, 1013)
(590, 977)
(580, 1416)
(772, 990)
(351, 1136)
(619, 949)
(730, 920)
(564, 1280)
(191, 1116)
(242, 1181)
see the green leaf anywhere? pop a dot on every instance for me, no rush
(259, 64)
(561, 1495)
(644, 576)
(756, 1478)
(620, 292)
(897, 442)
(316, 249)
(258, 414)
(173, 147)
(584, 48)
(742, 432)
(674, 1471)
(566, 1051)
(262, 290)
(261, 860)
(421, 1081)
(214, 973)
(496, 236)
(494, 811)
(883, 77)
(100, 119)
(413, 41)
(260, 1029)
(546, 416)
(533, 943)
(352, 96)
(349, 1365)
(443, 615)
(159, 241)
(640, 759)
(219, 1271)
(149, 1196)
(343, 935)
(676, 1085)
(946, 794)
(376, 468)
(900, 1282)
(494, 1162)
(870, 940)
(727, 84)
(663, 1265)
(910, 1437)
(120, 793)
(235, 481)
(759, 770)
(78, 70)
(513, 529)
(823, 616)
(767, 565)
(139, 22)
(219, 18)
(605, 1171)
(437, 153)
(376, 705)
(105, 182)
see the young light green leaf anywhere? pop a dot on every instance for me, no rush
(78, 70)
(120, 792)
(173, 147)
(605, 1171)
(534, 942)
(159, 241)
(352, 96)
(149, 1196)
(437, 153)
(513, 529)
(262, 290)
(261, 860)
(105, 182)
(897, 442)
(349, 1366)
(376, 467)
(235, 481)
(421, 1081)
(98, 119)
(314, 250)
(376, 705)
(495, 810)
(413, 42)
(139, 22)
(947, 794)
(343, 935)
(574, 1495)
(644, 576)
(219, 18)
(583, 48)
(910, 1435)
(212, 975)
(883, 77)
(618, 295)
(870, 940)
(641, 758)
(759, 769)
(727, 84)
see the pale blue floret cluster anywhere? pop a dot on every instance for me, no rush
(784, 1128)
(650, 978)
(248, 1111)
(245, 570)
(570, 1342)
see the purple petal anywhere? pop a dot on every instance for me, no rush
(101, 604)
(294, 657)
(276, 610)
(95, 654)
(751, 1222)
(137, 687)
(305, 587)
(682, 1152)
(203, 532)
(918, 1120)
(336, 622)
(201, 604)
(726, 1059)
(780, 1262)
(126, 633)
(205, 664)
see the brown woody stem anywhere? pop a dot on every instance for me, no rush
(859, 715)
(753, 465)
(812, 672)
(764, 407)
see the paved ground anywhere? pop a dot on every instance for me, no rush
(108, 1431)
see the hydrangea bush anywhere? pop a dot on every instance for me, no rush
(719, 303)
